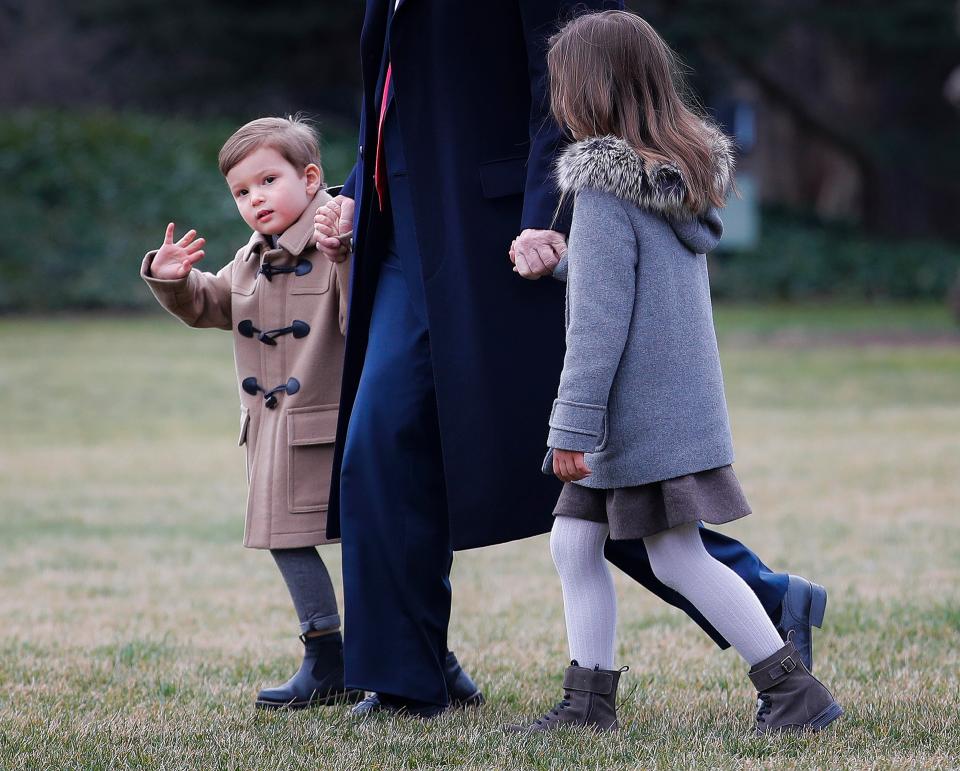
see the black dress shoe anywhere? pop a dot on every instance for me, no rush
(803, 607)
(375, 703)
(461, 689)
(368, 706)
(318, 682)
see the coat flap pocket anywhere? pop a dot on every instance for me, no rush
(503, 177)
(312, 425)
(244, 425)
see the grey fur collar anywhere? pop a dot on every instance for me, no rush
(611, 164)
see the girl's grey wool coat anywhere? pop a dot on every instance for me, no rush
(641, 391)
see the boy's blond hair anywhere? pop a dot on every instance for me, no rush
(292, 137)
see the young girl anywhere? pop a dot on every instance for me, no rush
(641, 394)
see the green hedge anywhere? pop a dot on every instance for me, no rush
(87, 194)
(799, 258)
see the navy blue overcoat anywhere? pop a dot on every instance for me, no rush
(472, 103)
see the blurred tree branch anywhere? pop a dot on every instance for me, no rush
(862, 78)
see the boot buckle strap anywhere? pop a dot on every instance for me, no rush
(590, 681)
(783, 668)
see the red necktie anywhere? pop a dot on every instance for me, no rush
(380, 164)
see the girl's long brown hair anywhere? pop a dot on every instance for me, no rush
(612, 74)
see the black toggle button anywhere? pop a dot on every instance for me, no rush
(298, 329)
(302, 268)
(252, 387)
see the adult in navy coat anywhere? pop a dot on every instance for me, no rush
(452, 358)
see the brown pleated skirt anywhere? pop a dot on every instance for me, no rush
(713, 496)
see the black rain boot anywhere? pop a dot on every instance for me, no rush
(318, 682)
(789, 698)
(589, 699)
(461, 690)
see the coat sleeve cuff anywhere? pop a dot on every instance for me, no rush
(349, 188)
(547, 466)
(166, 286)
(560, 272)
(575, 426)
(172, 293)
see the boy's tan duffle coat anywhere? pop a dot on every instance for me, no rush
(287, 309)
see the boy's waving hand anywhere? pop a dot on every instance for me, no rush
(175, 259)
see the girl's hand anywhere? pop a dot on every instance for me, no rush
(176, 259)
(569, 466)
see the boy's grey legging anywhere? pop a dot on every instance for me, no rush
(310, 588)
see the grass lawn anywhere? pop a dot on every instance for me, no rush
(135, 631)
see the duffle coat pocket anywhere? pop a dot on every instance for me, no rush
(311, 433)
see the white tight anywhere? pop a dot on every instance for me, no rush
(678, 559)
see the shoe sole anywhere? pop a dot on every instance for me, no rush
(826, 717)
(817, 723)
(476, 700)
(405, 713)
(473, 701)
(346, 697)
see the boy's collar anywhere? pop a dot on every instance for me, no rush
(295, 239)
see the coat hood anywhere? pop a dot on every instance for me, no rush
(612, 165)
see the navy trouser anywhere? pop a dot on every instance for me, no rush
(393, 508)
(631, 557)
(394, 523)
(393, 504)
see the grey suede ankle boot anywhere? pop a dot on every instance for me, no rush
(789, 698)
(589, 699)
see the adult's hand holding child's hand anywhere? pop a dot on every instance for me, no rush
(569, 466)
(175, 259)
(535, 253)
(333, 228)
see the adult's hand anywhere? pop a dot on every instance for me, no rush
(333, 228)
(535, 253)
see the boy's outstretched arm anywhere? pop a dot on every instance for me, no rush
(196, 298)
